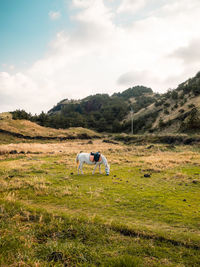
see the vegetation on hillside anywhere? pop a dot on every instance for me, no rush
(100, 112)
(177, 110)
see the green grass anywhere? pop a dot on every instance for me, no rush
(51, 216)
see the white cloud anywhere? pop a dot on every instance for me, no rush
(131, 6)
(54, 15)
(82, 3)
(100, 56)
(189, 54)
(11, 67)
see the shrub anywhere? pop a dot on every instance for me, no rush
(166, 105)
(191, 106)
(192, 122)
(174, 95)
(176, 106)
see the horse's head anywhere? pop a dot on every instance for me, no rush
(107, 169)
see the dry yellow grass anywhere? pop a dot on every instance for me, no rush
(116, 153)
(61, 147)
(168, 159)
(32, 129)
(5, 115)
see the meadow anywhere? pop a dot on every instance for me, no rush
(145, 213)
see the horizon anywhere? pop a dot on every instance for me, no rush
(71, 49)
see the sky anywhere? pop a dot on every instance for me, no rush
(51, 50)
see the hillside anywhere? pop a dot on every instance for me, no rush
(177, 111)
(30, 130)
(101, 111)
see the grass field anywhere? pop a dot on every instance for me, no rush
(146, 213)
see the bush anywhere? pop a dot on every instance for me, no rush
(174, 95)
(161, 123)
(176, 106)
(181, 111)
(191, 106)
(166, 105)
(191, 122)
(21, 115)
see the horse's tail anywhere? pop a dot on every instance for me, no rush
(77, 159)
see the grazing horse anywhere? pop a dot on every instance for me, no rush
(86, 158)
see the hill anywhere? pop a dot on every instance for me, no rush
(29, 130)
(177, 111)
(101, 111)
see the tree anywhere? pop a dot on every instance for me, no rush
(21, 115)
(102, 125)
(174, 95)
(192, 122)
(116, 126)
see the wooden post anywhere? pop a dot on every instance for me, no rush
(131, 121)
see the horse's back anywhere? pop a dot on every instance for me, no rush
(83, 156)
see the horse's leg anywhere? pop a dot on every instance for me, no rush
(94, 168)
(81, 167)
(99, 168)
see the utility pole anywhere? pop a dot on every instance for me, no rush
(131, 121)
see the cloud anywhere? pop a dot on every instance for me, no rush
(189, 54)
(12, 67)
(82, 3)
(99, 55)
(12, 89)
(54, 15)
(130, 6)
(134, 78)
(147, 78)
(23, 91)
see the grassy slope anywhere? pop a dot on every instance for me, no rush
(174, 113)
(50, 214)
(28, 128)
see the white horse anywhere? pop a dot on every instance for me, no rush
(82, 158)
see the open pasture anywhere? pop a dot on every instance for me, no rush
(146, 213)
